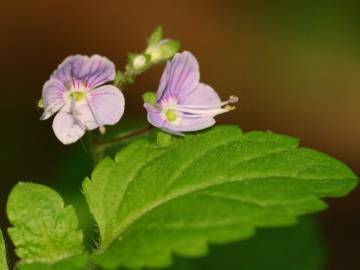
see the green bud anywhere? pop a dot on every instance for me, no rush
(155, 37)
(163, 139)
(138, 63)
(163, 50)
(149, 97)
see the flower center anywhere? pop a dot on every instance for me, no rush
(170, 115)
(77, 96)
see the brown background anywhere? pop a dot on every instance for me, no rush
(294, 65)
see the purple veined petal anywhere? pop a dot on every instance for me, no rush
(164, 80)
(181, 77)
(203, 94)
(69, 69)
(107, 104)
(90, 71)
(53, 95)
(97, 71)
(66, 128)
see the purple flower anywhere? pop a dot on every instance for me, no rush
(74, 91)
(182, 102)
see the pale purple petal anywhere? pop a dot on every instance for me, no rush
(156, 119)
(98, 70)
(85, 116)
(185, 124)
(193, 124)
(53, 95)
(181, 77)
(90, 71)
(66, 128)
(164, 80)
(69, 69)
(154, 116)
(203, 94)
(107, 104)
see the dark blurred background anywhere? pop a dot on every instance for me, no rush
(295, 66)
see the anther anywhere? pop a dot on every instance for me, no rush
(233, 99)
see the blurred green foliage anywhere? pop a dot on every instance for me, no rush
(291, 248)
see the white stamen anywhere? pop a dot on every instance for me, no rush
(204, 115)
(199, 111)
(231, 100)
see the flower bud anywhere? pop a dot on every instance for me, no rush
(138, 63)
(163, 50)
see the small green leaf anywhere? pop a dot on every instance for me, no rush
(119, 78)
(44, 230)
(3, 261)
(156, 36)
(149, 97)
(216, 187)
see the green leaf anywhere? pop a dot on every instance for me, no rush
(44, 230)
(216, 187)
(78, 262)
(292, 248)
(3, 261)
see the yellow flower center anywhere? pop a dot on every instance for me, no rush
(77, 96)
(170, 115)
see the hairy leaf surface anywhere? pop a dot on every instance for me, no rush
(44, 230)
(214, 187)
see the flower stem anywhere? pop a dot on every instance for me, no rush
(98, 147)
(128, 136)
